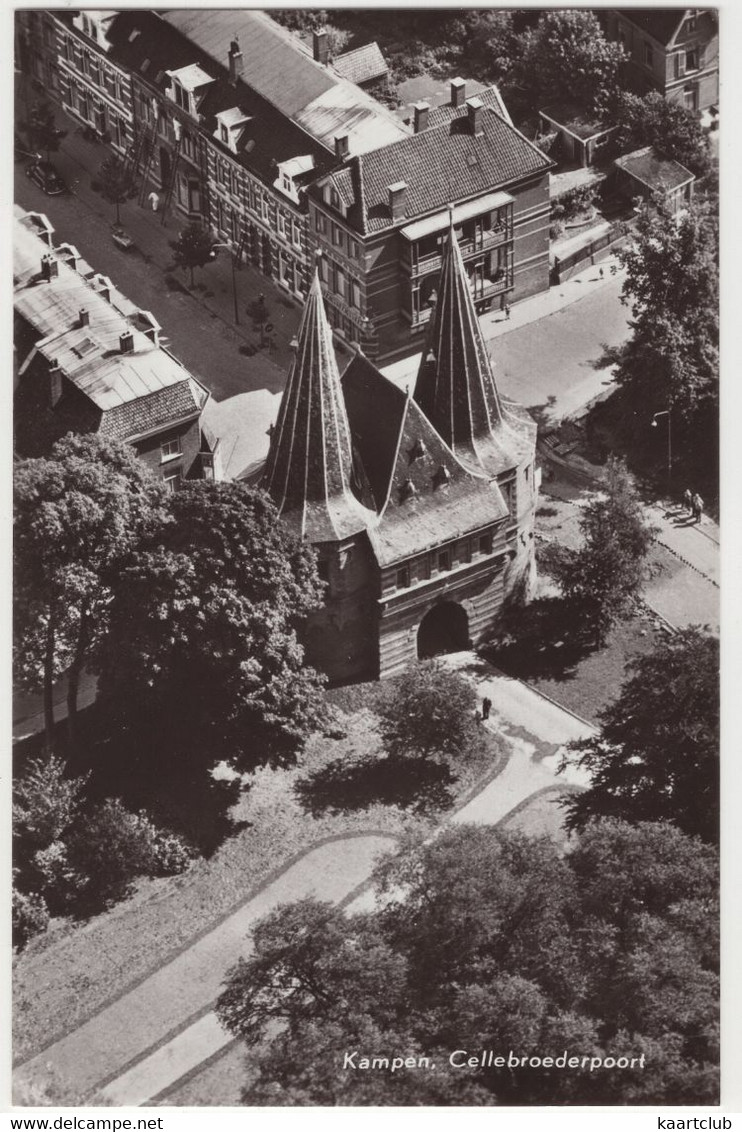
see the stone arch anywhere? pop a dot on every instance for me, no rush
(444, 628)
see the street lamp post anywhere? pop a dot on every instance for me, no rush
(234, 278)
(666, 413)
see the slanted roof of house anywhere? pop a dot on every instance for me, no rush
(362, 65)
(440, 164)
(425, 497)
(310, 471)
(654, 170)
(136, 391)
(661, 23)
(456, 386)
(489, 97)
(575, 119)
(279, 67)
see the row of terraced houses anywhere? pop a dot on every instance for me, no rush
(241, 126)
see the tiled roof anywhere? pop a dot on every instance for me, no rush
(150, 413)
(456, 386)
(490, 97)
(362, 65)
(310, 470)
(424, 495)
(660, 23)
(280, 69)
(655, 170)
(441, 164)
(269, 136)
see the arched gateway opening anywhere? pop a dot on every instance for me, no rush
(444, 628)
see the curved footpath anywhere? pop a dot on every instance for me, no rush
(163, 1029)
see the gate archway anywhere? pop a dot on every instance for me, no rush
(444, 628)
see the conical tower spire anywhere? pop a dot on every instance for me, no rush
(456, 386)
(309, 469)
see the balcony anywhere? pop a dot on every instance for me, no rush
(416, 264)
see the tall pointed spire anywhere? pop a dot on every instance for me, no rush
(456, 386)
(309, 469)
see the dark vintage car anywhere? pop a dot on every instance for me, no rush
(43, 174)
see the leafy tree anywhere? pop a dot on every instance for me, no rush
(487, 940)
(428, 711)
(605, 575)
(78, 514)
(116, 183)
(30, 917)
(111, 846)
(566, 56)
(671, 285)
(656, 756)
(45, 802)
(204, 629)
(42, 130)
(668, 126)
(193, 248)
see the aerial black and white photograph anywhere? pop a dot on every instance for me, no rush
(366, 558)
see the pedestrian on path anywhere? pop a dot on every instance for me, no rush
(154, 200)
(486, 707)
(688, 500)
(697, 508)
(507, 310)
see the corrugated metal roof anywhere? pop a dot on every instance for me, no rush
(361, 65)
(279, 67)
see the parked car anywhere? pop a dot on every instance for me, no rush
(43, 174)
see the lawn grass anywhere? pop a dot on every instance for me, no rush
(70, 972)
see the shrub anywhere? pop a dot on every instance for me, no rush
(30, 916)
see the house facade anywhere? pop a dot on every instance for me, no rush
(237, 125)
(419, 504)
(672, 50)
(89, 360)
(380, 219)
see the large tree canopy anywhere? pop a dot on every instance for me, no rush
(204, 628)
(566, 56)
(668, 126)
(656, 756)
(485, 940)
(605, 575)
(427, 711)
(77, 516)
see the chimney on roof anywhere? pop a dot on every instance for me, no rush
(236, 62)
(397, 202)
(321, 45)
(49, 267)
(458, 93)
(475, 106)
(422, 116)
(84, 317)
(126, 342)
(342, 147)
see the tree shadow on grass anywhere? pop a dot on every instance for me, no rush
(546, 639)
(416, 784)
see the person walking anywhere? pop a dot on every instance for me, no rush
(486, 707)
(697, 508)
(688, 500)
(154, 200)
(507, 310)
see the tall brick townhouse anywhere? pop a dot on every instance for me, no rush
(240, 126)
(419, 504)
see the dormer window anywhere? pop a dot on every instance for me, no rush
(181, 97)
(224, 133)
(230, 126)
(289, 174)
(187, 87)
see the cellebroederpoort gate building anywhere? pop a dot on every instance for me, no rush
(419, 503)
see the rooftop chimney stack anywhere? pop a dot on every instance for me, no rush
(84, 317)
(475, 106)
(126, 342)
(55, 382)
(236, 62)
(342, 147)
(49, 267)
(458, 93)
(321, 44)
(397, 202)
(422, 116)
